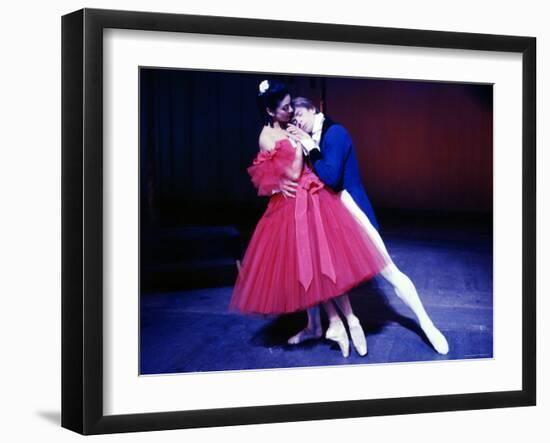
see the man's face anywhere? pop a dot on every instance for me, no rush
(304, 118)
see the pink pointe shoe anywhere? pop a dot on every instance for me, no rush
(305, 334)
(338, 334)
(357, 336)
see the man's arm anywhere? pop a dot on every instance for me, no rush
(329, 164)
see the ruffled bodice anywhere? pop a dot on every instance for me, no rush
(269, 167)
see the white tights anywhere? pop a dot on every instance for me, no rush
(402, 285)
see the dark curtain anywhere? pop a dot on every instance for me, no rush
(199, 133)
(421, 145)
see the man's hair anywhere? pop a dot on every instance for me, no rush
(302, 102)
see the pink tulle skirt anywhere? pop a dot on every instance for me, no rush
(304, 251)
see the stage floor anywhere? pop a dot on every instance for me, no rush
(451, 267)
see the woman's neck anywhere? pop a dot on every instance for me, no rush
(279, 125)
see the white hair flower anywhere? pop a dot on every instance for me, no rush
(264, 86)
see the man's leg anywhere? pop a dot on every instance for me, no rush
(405, 290)
(403, 286)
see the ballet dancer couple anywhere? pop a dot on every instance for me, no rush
(318, 237)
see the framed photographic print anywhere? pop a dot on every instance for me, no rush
(268, 221)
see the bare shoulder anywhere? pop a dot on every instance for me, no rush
(268, 138)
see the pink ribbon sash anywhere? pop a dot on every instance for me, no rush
(311, 185)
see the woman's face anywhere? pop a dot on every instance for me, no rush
(284, 112)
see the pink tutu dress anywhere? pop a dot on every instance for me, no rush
(304, 250)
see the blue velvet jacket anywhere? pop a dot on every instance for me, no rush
(336, 165)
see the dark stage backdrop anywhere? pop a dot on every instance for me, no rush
(424, 149)
(422, 146)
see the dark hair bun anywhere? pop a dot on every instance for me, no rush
(270, 94)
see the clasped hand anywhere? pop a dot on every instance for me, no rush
(297, 133)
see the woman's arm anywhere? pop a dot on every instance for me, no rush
(271, 172)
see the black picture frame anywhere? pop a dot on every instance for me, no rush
(82, 218)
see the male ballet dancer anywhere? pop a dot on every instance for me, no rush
(332, 156)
